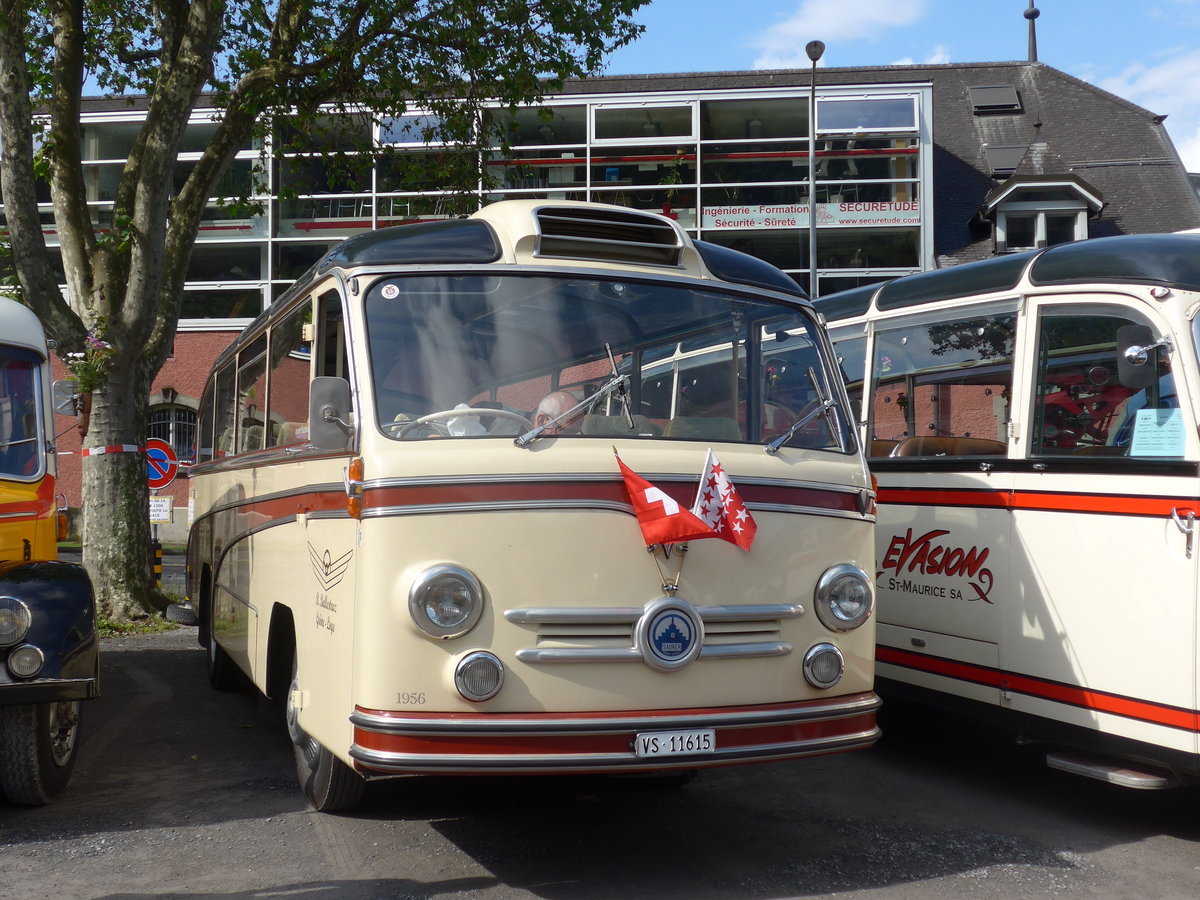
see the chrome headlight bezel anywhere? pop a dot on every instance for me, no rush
(830, 597)
(438, 577)
(468, 683)
(15, 620)
(814, 657)
(26, 661)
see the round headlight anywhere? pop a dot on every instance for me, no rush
(479, 676)
(823, 665)
(25, 661)
(14, 621)
(843, 597)
(446, 601)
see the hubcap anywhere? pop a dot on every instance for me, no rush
(305, 744)
(64, 728)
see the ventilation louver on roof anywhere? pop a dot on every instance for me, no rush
(624, 236)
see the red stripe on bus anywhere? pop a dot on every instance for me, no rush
(1041, 501)
(605, 491)
(1072, 695)
(256, 513)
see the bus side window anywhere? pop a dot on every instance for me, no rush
(225, 411)
(1081, 407)
(252, 396)
(204, 426)
(332, 356)
(945, 380)
(851, 359)
(290, 377)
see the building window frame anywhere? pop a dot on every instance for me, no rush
(1037, 210)
(174, 422)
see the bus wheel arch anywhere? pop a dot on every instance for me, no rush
(281, 650)
(329, 785)
(223, 673)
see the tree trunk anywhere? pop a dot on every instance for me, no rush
(116, 520)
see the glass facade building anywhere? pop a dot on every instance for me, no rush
(731, 166)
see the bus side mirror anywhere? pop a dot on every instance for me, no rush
(329, 413)
(63, 396)
(1135, 356)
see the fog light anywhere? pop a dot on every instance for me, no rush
(446, 601)
(479, 676)
(25, 661)
(14, 621)
(823, 666)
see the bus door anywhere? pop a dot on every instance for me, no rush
(1103, 633)
(938, 421)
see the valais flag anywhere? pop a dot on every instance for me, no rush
(662, 519)
(720, 507)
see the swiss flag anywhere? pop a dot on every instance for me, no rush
(720, 507)
(662, 519)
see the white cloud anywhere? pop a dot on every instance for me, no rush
(940, 54)
(782, 45)
(1171, 88)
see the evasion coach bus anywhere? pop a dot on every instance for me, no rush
(48, 641)
(1032, 423)
(451, 500)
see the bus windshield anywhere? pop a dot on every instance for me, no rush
(19, 419)
(485, 355)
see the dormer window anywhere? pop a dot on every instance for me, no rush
(1030, 214)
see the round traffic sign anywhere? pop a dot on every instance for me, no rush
(161, 463)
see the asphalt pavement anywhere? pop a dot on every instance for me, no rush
(185, 792)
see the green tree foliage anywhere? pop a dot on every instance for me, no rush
(288, 68)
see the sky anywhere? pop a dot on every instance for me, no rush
(1146, 52)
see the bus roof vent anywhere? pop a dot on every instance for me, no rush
(607, 235)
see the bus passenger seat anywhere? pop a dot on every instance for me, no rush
(949, 446)
(883, 448)
(290, 432)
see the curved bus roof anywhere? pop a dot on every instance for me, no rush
(19, 325)
(1171, 260)
(540, 232)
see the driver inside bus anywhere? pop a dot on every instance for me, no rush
(553, 405)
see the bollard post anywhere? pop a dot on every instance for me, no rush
(158, 565)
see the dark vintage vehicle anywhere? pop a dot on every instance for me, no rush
(48, 641)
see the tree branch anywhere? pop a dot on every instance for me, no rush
(30, 258)
(67, 191)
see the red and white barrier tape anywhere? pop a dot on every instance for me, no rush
(112, 448)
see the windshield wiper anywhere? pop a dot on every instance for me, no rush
(823, 408)
(616, 382)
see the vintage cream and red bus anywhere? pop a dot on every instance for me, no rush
(1032, 422)
(411, 522)
(48, 643)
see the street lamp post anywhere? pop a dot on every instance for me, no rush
(815, 50)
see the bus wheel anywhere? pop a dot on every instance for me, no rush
(37, 750)
(328, 783)
(222, 673)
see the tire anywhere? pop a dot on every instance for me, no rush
(329, 785)
(181, 614)
(222, 673)
(38, 746)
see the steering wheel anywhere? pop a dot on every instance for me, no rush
(434, 419)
